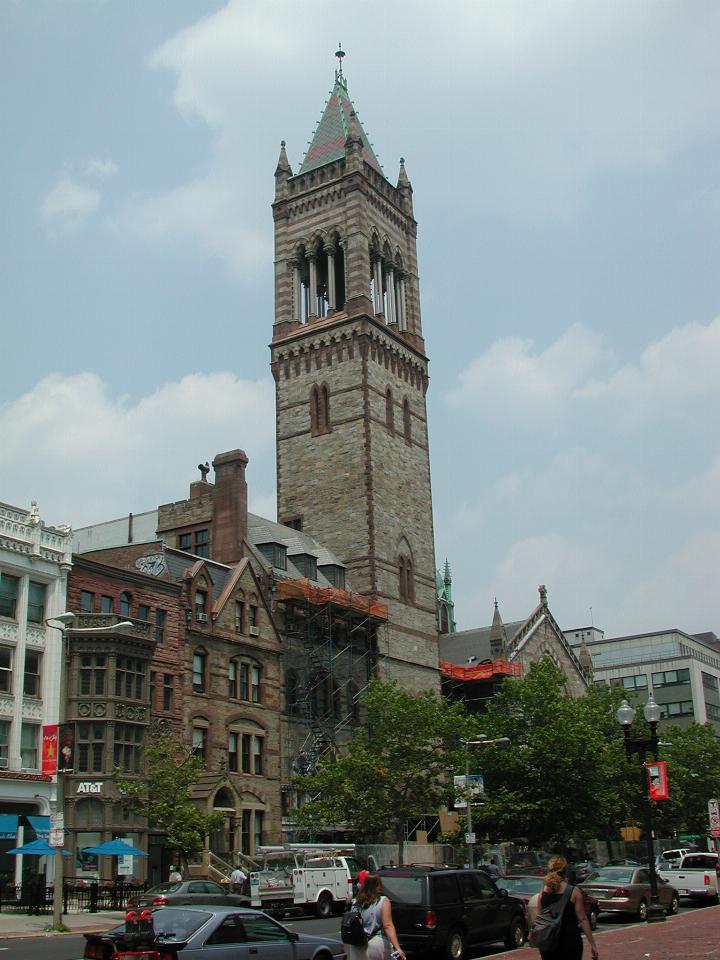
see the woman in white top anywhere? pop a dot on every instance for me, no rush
(377, 922)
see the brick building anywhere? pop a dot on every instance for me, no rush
(204, 656)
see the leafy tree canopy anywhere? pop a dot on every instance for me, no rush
(396, 766)
(163, 796)
(564, 774)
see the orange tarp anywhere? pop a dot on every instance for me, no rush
(304, 590)
(481, 671)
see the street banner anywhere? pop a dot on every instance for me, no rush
(657, 777)
(66, 741)
(472, 786)
(49, 750)
(714, 817)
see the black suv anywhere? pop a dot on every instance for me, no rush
(448, 910)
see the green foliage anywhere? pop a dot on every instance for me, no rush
(397, 766)
(164, 795)
(692, 755)
(564, 772)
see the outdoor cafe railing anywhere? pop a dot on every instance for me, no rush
(77, 897)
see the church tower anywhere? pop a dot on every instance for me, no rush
(351, 374)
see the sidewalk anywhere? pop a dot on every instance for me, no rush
(24, 925)
(688, 936)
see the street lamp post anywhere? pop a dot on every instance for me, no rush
(481, 742)
(641, 746)
(66, 619)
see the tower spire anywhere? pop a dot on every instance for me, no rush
(340, 53)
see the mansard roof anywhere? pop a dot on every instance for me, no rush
(328, 140)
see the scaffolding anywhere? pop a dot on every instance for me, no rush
(335, 633)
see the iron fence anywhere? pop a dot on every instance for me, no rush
(77, 898)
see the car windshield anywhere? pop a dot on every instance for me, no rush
(404, 889)
(165, 888)
(522, 884)
(612, 875)
(522, 860)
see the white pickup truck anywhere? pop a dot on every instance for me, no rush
(296, 880)
(695, 875)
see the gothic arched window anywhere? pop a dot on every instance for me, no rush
(319, 410)
(407, 425)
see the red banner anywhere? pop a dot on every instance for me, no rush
(657, 777)
(49, 750)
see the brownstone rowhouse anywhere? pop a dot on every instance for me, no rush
(351, 375)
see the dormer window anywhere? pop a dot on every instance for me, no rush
(274, 553)
(333, 574)
(306, 565)
(201, 606)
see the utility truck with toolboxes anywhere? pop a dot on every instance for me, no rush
(297, 878)
(694, 875)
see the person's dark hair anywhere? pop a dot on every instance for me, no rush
(370, 891)
(555, 873)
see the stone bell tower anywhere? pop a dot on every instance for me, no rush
(351, 374)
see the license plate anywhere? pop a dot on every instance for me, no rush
(683, 893)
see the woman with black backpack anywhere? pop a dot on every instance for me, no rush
(557, 915)
(378, 930)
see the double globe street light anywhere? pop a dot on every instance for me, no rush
(66, 620)
(482, 741)
(642, 746)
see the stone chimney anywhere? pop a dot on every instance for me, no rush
(229, 525)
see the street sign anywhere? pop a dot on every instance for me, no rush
(56, 838)
(57, 821)
(714, 817)
(470, 838)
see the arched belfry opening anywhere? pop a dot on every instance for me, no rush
(318, 279)
(388, 279)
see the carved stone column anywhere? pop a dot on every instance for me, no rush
(313, 306)
(332, 297)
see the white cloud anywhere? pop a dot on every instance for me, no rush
(87, 456)
(70, 200)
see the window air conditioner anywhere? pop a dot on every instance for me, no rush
(202, 618)
(254, 631)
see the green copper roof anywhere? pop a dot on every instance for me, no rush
(328, 142)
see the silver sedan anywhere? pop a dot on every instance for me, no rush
(626, 889)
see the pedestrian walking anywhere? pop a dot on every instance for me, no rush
(378, 924)
(238, 879)
(557, 890)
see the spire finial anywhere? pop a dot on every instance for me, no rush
(339, 53)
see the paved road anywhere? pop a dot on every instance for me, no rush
(689, 936)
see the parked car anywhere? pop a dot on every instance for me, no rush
(695, 875)
(627, 890)
(526, 887)
(531, 861)
(449, 910)
(176, 893)
(218, 933)
(577, 872)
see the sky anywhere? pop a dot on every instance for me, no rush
(564, 161)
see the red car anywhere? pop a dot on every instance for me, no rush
(524, 887)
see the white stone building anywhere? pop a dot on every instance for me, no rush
(34, 563)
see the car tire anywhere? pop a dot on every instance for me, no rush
(593, 919)
(642, 911)
(324, 906)
(674, 905)
(455, 944)
(517, 934)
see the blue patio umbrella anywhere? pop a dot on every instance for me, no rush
(37, 848)
(115, 848)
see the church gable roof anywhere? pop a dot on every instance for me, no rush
(328, 140)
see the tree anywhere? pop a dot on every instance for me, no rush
(397, 766)
(563, 774)
(692, 755)
(163, 795)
